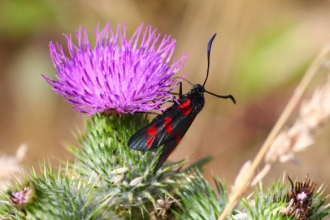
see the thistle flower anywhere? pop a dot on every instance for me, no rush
(120, 75)
(300, 199)
(22, 197)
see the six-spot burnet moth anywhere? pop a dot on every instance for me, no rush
(169, 127)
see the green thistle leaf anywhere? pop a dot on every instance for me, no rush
(199, 201)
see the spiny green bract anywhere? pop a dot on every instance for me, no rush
(108, 180)
(270, 204)
(266, 205)
(115, 168)
(319, 209)
(200, 201)
(56, 195)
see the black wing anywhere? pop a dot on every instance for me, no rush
(165, 128)
(171, 144)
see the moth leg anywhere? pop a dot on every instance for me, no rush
(175, 100)
(180, 95)
(180, 91)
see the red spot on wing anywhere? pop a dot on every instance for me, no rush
(178, 140)
(185, 104)
(168, 126)
(186, 107)
(149, 141)
(177, 134)
(167, 120)
(152, 131)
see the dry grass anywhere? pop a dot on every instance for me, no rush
(282, 146)
(9, 166)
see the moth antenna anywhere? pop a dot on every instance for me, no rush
(185, 80)
(188, 82)
(209, 45)
(222, 96)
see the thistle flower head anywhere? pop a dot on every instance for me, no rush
(300, 199)
(118, 74)
(22, 197)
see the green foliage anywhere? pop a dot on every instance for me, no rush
(271, 203)
(108, 180)
(319, 208)
(105, 159)
(56, 195)
(266, 204)
(199, 200)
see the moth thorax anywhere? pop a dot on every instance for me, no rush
(198, 89)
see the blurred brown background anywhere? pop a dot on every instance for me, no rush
(259, 55)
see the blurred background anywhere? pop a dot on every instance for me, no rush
(261, 52)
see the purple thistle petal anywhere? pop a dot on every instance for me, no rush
(120, 75)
